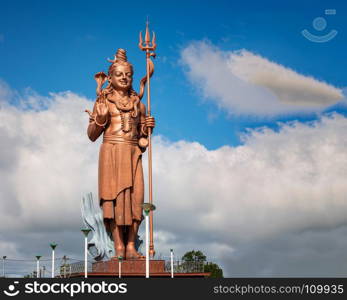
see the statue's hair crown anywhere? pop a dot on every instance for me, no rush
(121, 55)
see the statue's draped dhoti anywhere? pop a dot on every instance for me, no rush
(121, 185)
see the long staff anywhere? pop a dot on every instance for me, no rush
(149, 47)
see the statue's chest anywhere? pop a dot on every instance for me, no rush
(124, 120)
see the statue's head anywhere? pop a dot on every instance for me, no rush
(120, 73)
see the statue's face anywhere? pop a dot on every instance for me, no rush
(121, 77)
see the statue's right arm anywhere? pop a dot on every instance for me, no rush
(94, 130)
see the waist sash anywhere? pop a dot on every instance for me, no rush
(112, 139)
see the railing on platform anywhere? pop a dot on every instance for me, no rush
(103, 267)
(185, 266)
(67, 267)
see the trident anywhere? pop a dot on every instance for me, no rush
(149, 47)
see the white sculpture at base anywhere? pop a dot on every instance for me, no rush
(100, 246)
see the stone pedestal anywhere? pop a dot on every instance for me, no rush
(129, 267)
(133, 268)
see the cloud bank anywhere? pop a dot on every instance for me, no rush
(242, 82)
(274, 206)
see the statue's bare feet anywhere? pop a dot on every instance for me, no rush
(120, 252)
(131, 252)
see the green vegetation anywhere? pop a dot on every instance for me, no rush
(209, 267)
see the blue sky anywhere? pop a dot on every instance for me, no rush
(55, 46)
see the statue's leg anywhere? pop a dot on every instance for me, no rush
(108, 215)
(130, 248)
(107, 225)
(118, 238)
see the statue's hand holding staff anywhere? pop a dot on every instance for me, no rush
(150, 122)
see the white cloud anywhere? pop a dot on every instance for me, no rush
(280, 192)
(274, 183)
(42, 169)
(245, 83)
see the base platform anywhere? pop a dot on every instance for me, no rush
(128, 266)
(134, 268)
(141, 275)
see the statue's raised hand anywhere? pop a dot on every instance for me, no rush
(101, 110)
